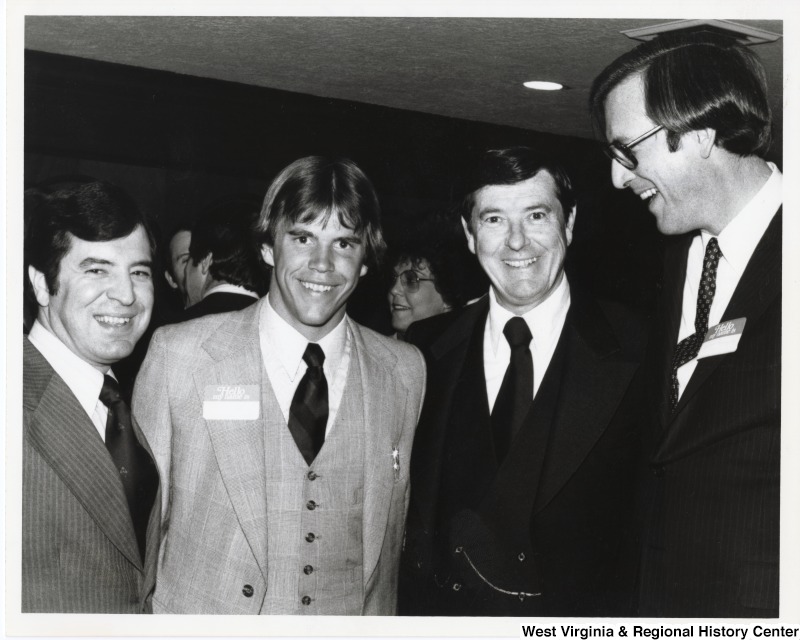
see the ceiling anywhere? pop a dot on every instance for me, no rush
(470, 68)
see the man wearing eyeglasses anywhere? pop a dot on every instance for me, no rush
(687, 120)
(524, 462)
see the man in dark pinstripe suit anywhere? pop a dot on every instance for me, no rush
(688, 121)
(90, 507)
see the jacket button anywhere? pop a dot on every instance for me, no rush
(459, 549)
(310, 537)
(521, 557)
(308, 569)
(312, 476)
(306, 600)
(311, 505)
(456, 586)
(658, 471)
(247, 590)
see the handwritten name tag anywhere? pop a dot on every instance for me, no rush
(231, 402)
(722, 338)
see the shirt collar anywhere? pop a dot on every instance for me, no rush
(739, 238)
(542, 320)
(226, 287)
(83, 379)
(289, 344)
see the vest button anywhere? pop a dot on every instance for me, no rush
(311, 505)
(312, 476)
(308, 569)
(310, 537)
(306, 600)
(247, 590)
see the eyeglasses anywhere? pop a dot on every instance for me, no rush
(622, 152)
(410, 280)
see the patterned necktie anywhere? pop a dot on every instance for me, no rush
(516, 391)
(689, 347)
(136, 468)
(308, 414)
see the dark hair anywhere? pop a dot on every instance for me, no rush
(224, 231)
(318, 186)
(93, 211)
(513, 165)
(695, 81)
(435, 240)
(175, 230)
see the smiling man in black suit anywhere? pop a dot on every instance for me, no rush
(523, 466)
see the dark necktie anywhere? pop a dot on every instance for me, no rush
(136, 468)
(516, 391)
(308, 414)
(689, 347)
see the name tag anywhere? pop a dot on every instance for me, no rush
(722, 338)
(231, 402)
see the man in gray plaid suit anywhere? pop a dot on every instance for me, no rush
(283, 432)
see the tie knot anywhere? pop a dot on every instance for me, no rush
(517, 333)
(314, 356)
(712, 251)
(109, 394)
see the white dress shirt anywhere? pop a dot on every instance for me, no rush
(83, 379)
(282, 348)
(737, 242)
(227, 287)
(545, 322)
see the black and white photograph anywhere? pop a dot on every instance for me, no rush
(421, 320)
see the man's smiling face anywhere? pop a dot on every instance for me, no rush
(671, 183)
(316, 267)
(103, 298)
(520, 235)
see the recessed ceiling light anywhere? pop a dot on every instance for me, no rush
(543, 86)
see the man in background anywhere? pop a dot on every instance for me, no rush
(687, 122)
(178, 245)
(283, 431)
(90, 509)
(224, 271)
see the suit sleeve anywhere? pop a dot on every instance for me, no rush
(152, 411)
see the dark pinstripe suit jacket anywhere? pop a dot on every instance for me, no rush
(79, 551)
(713, 485)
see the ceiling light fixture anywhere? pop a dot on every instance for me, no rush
(540, 85)
(744, 33)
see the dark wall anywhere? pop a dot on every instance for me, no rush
(179, 142)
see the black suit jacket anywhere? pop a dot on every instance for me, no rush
(713, 487)
(548, 531)
(219, 302)
(79, 550)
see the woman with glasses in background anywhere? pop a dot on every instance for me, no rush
(431, 272)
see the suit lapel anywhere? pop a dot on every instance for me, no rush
(759, 286)
(587, 382)
(384, 407)
(675, 268)
(593, 382)
(446, 371)
(65, 436)
(239, 444)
